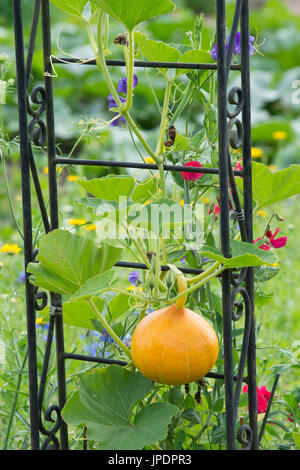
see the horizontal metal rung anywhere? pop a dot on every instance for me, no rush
(146, 166)
(128, 264)
(103, 360)
(142, 63)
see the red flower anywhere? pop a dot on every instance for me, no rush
(263, 396)
(216, 210)
(238, 166)
(264, 246)
(191, 176)
(276, 242)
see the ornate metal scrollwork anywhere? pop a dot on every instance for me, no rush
(235, 97)
(244, 436)
(37, 127)
(50, 433)
(39, 295)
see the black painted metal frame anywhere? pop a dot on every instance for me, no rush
(230, 128)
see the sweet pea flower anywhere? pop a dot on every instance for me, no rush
(122, 88)
(263, 396)
(263, 246)
(134, 277)
(276, 242)
(112, 104)
(237, 46)
(191, 176)
(122, 85)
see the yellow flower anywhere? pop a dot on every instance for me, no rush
(134, 287)
(279, 135)
(272, 167)
(276, 265)
(76, 222)
(181, 202)
(206, 200)
(40, 321)
(262, 213)
(150, 160)
(256, 152)
(72, 178)
(10, 249)
(91, 227)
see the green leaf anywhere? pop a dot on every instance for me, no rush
(133, 12)
(110, 187)
(78, 312)
(105, 402)
(74, 7)
(273, 186)
(95, 285)
(194, 56)
(67, 261)
(120, 304)
(145, 190)
(156, 51)
(243, 255)
(160, 217)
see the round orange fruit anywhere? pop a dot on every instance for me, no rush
(174, 347)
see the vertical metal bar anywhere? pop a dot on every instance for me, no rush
(27, 222)
(224, 221)
(53, 199)
(249, 281)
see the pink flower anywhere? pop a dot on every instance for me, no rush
(238, 166)
(276, 242)
(263, 396)
(216, 210)
(191, 176)
(264, 246)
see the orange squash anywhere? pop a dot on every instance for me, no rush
(174, 346)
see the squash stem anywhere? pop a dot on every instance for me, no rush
(196, 285)
(109, 329)
(182, 287)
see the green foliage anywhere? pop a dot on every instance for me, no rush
(131, 13)
(105, 402)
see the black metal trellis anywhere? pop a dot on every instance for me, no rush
(230, 128)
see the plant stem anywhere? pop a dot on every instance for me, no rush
(203, 275)
(196, 286)
(109, 329)
(14, 404)
(184, 100)
(9, 195)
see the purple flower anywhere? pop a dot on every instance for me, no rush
(21, 278)
(183, 260)
(106, 338)
(134, 277)
(236, 48)
(112, 104)
(122, 86)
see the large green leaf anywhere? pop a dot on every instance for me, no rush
(156, 51)
(273, 186)
(95, 285)
(105, 402)
(67, 261)
(161, 216)
(78, 312)
(133, 12)
(243, 255)
(74, 7)
(110, 187)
